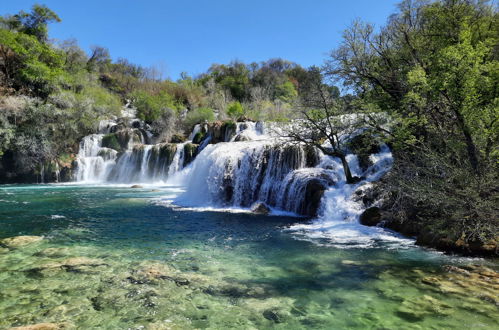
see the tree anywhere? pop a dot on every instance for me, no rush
(98, 59)
(433, 70)
(34, 23)
(325, 120)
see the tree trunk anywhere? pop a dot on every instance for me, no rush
(470, 145)
(346, 169)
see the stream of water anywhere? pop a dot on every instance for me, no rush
(113, 257)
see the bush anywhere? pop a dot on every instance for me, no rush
(151, 107)
(235, 110)
(199, 115)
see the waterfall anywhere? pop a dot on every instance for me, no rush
(238, 174)
(235, 165)
(94, 162)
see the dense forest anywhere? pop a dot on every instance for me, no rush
(426, 84)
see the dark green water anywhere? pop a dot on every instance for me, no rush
(150, 266)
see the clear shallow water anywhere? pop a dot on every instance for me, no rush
(113, 257)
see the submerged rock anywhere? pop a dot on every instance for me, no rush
(272, 315)
(53, 252)
(260, 208)
(471, 280)
(45, 326)
(417, 308)
(153, 273)
(19, 241)
(137, 186)
(75, 264)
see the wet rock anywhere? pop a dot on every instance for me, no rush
(351, 263)
(272, 315)
(371, 216)
(45, 326)
(417, 308)
(135, 186)
(153, 273)
(471, 280)
(260, 208)
(75, 264)
(83, 261)
(19, 241)
(242, 137)
(177, 138)
(52, 252)
(190, 151)
(313, 195)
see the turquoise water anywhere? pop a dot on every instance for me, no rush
(116, 258)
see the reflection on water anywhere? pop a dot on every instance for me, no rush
(113, 257)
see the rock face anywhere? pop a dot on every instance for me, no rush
(260, 208)
(19, 241)
(313, 194)
(371, 216)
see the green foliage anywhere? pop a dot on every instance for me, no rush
(434, 70)
(151, 107)
(235, 110)
(29, 63)
(286, 92)
(199, 115)
(34, 23)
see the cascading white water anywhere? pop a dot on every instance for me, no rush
(250, 167)
(94, 162)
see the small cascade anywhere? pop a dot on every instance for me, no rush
(94, 162)
(177, 161)
(240, 174)
(144, 163)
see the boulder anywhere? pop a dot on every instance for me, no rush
(371, 216)
(19, 241)
(135, 186)
(313, 195)
(260, 208)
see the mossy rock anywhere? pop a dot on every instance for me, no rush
(111, 141)
(198, 138)
(190, 152)
(177, 138)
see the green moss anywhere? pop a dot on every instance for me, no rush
(229, 124)
(177, 138)
(198, 137)
(111, 141)
(190, 150)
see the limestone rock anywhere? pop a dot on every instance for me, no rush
(19, 241)
(260, 208)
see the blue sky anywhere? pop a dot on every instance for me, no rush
(189, 35)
